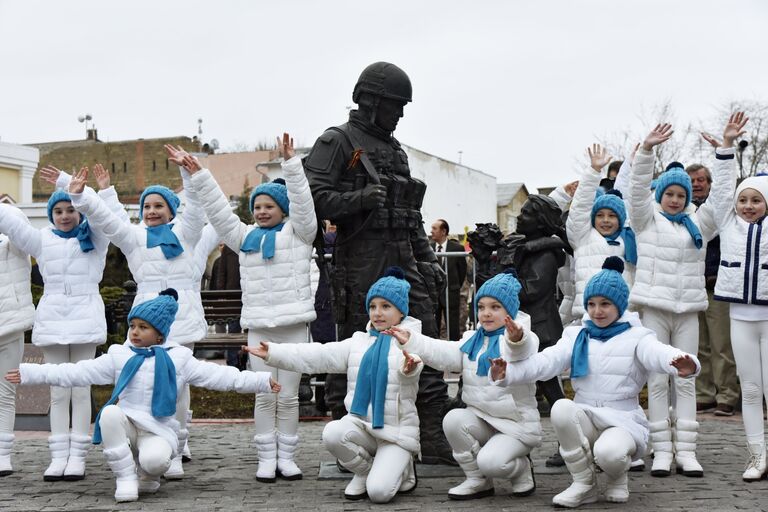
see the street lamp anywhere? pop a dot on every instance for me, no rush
(85, 119)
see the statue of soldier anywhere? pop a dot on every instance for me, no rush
(360, 180)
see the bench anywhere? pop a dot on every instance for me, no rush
(220, 307)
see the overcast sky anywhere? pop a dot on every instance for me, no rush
(520, 87)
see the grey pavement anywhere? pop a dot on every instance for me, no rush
(221, 477)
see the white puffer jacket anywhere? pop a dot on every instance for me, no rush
(17, 313)
(511, 410)
(670, 269)
(618, 370)
(401, 420)
(136, 398)
(276, 292)
(71, 310)
(590, 248)
(743, 273)
(151, 270)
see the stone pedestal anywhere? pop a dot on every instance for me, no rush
(33, 403)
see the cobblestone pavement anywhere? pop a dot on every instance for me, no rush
(221, 478)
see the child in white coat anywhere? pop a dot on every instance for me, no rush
(669, 292)
(69, 321)
(596, 228)
(610, 359)
(742, 281)
(379, 438)
(140, 433)
(494, 435)
(278, 303)
(160, 254)
(17, 314)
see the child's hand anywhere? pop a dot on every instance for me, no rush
(570, 188)
(261, 351)
(77, 185)
(598, 157)
(13, 376)
(685, 365)
(514, 330)
(276, 387)
(285, 148)
(102, 176)
(712, 141)
(401, 335)
(49, 174)
(633, 153)
(409, 364)
(658, 135)
(734, 129)
(498, 369)
(191, 164)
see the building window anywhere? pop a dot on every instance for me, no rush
(154, 165)
(166, 164)
(125, 167)
(113, 167)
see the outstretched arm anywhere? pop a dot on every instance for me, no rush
(214, 376)
(439, 354)
(83, 373)
(305, 357)
(21, 233)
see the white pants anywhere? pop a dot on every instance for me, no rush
(750, 349)
(346, 440)
(680, 331)
(279, 411)
(11, 352)
(152, 452)
(183, 400)
(500, 455)
(79, 396)
(612, 448)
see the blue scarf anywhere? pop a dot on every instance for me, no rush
(630, 244)
(580, 354)
(164, 236)
(252, 242)
(685, 220)
(371, 384)
(83, 234)
(164, 391)
(473, 345)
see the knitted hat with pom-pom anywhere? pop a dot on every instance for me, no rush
(503, 287)
(674, 176)
(608, 283)
(392, 287)
(159, 312)
(168, 195)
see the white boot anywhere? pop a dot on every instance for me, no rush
(686, 434)
(477, 485)
(584, 487)
(121, 462)
(359, 466)
(410, 479)
(756, 465)
(78, 450)
(617, 489)
(661, 442)
(175, 470)
(186, 455)
(59, 446)
(286, 448)
(522, 479)
(148, 484)
(266, 449)
(6, 446)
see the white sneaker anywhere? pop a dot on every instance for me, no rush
(356, 489)
(126, 489)
(175, 470)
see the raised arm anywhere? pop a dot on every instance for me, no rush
(302, 205)
(563, 194)
(20, 232)
(640, 197)
(226, 223)
(579, 221)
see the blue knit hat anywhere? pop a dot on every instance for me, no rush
(274, 189)
(612, 200)
(171, 199)
(503, 287)
(675, 176)
(58, 196)
(159, 312)
(392, 287)
(608, 283)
